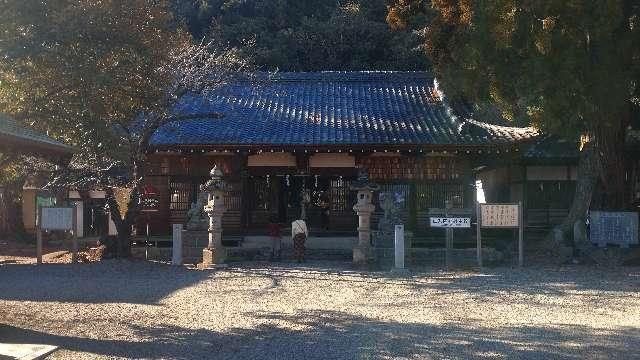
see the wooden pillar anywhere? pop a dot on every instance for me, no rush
(39, 244)
(245, 192)
(413, 206)
(524, 194)
(478, 235)
(449, 235)
(520, 235)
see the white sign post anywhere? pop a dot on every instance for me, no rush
(399, 247)
(57, 218)
(500, 216)
(176, 258)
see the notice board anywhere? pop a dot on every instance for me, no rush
(56, 218)
(499, 215)
(607, 227)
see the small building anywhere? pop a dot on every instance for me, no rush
(314, 131)
(19, 140)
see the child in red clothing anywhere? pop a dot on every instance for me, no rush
(275, 234)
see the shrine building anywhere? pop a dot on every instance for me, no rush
(314, 131)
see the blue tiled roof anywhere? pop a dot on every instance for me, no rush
(330, 108)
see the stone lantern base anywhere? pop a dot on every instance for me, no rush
(212, 258)
(362, 255)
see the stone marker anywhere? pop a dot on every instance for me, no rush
(176, 258)
(399, 247)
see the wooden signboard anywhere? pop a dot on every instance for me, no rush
(500, 216)
(620, 228)
(62, 218)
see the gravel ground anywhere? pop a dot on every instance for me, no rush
(133, 309)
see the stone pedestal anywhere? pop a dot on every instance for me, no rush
(362, 252)
(214, 254)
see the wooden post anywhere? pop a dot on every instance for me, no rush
(448, 235)
(478, 235)
(39, 236)
(74, 238)
(520, 235)
(39, 244)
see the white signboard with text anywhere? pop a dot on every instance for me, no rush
(450, 222)
(56, 218)
(500, 215)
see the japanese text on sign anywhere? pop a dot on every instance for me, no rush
(499, 215)
(442, 222)
(56, 218)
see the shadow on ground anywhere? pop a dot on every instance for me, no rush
(105, 282)
(108, 281)
(336, 335)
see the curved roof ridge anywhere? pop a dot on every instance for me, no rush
(350, 76)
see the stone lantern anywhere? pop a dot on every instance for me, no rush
(362, 252)
(214, 253)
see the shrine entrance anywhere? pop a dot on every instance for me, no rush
(280, 196)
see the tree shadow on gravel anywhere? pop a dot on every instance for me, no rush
(139, 282)
(488, 282)
(337, 335)
(107, 281)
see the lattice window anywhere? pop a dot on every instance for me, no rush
(233, 198)
(261, 193)
(434, 195)
(342, 199)
(409, 168)
(390, 167)
(439, 168)
(181, 194)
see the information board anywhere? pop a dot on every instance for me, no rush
(56, 218)
(499, 215)
(620, 228)
(450, 222)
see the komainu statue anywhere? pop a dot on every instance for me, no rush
(197, 219)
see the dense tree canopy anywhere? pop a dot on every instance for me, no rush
(293, 35)
(568, 67)
(103, 76)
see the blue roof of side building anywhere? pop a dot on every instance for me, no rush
(330, 108)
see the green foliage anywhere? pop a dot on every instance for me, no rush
(568, 67)
(82, 70)
(293, 35)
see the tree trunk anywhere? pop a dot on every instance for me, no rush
(600, 171)
(589, 170)
(123, 223)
